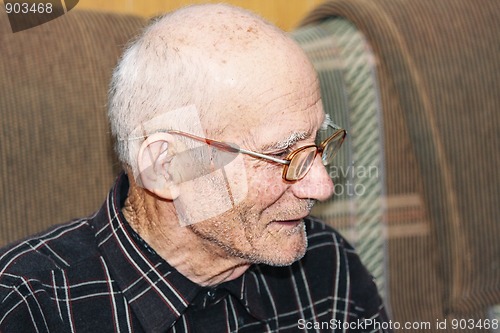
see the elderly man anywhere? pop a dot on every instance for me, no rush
(215, 114)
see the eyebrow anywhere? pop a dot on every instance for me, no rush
(295, 137)
(288, 142)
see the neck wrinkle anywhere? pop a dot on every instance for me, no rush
(198, 259)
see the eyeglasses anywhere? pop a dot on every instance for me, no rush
(297, 163)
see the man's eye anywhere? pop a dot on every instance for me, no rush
(280, 154)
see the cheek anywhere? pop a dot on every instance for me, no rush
(265, 184)
(237, 179)
(212, 194)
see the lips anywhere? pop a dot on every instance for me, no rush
(288, 223)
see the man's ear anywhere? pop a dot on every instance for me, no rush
(154, 162)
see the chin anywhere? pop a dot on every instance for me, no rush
(286, 260)
(284, 252)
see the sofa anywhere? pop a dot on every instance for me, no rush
(56, 154)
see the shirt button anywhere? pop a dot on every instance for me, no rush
(211, 294)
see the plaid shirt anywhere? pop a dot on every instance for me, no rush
(97, 275)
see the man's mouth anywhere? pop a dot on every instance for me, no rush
(289, 223)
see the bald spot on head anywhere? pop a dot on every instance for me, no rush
(215, 29)
(238, 56)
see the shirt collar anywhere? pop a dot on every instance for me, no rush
(157, 292)
(248, 289)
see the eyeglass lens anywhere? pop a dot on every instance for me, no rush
(331, 149)
(300, 163)
(303, 160)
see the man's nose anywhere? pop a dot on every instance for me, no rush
(317, 184)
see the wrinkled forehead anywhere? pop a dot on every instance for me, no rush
(279, 128)
(284, 127)
(279, 102)
(276, 84)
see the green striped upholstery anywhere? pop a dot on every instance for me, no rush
(344, 63)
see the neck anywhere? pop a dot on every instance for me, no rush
(198, 259)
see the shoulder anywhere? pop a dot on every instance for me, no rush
(328, 248)
(327, 245)
(55, 249)
(30, 270)
(329, 252)
(321, 235)
(328, 260)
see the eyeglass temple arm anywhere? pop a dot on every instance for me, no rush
(232, 148)
(266, 157)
